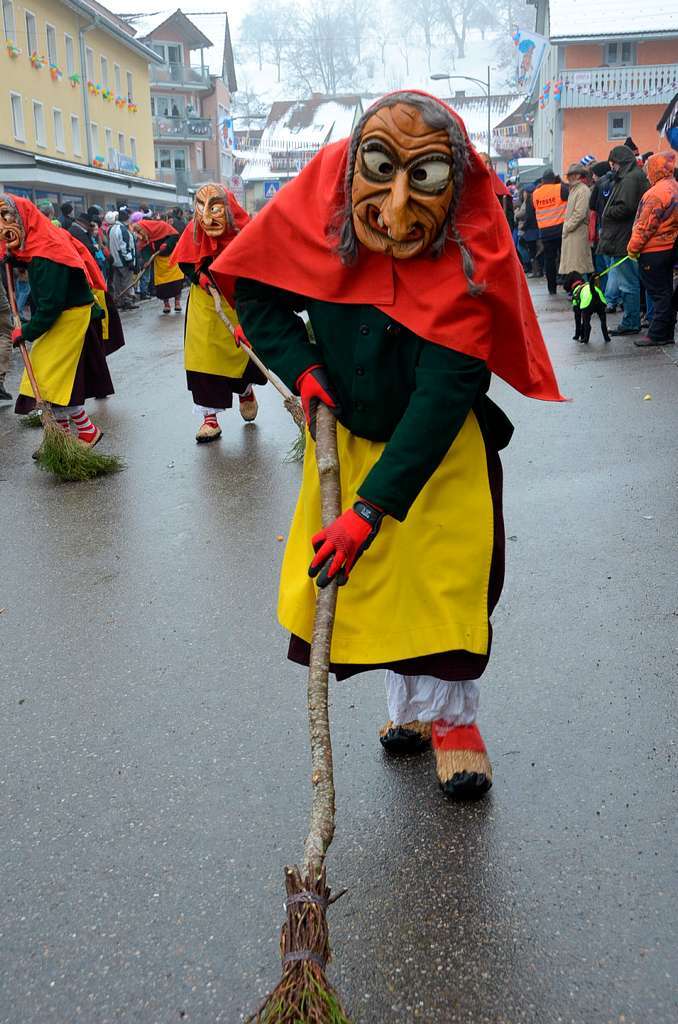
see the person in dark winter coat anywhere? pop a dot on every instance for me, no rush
(629, 185)
(603, 183)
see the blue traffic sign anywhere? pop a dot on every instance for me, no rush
(270, 189)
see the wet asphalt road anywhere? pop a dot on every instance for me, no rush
(153, 763)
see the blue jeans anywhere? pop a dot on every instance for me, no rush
(145, 282)
(628, 279)
(608, 283)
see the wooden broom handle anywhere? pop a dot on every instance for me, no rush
(277, 384)
(321, 825)
(22, 347)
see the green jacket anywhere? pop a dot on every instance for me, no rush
(54, 288)
(392, 385)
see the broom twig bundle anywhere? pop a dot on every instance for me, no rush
(304, 995)
(59, 453)
(290, 401)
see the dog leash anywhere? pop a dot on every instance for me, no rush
(612, 266)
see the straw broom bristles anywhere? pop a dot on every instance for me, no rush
(70, 459)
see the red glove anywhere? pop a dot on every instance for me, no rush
(313, 386)
(17, 337)
(162, 248)
(240, 338)
(205, 282)
(339, 546)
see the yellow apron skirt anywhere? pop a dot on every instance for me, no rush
(422, 586)
(209, 346)
(100, 296)
(55, 356)
(164, 272)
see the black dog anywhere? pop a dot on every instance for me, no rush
(587, 299)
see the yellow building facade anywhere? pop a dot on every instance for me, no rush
(74, 88)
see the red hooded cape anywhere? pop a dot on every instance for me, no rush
(157, 230)
(287, 246)
(94, 276)
(194, 246)
(42, 238)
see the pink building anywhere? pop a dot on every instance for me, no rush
(190, 97)
(611, 69)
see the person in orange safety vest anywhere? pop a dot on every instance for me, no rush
(550, 203)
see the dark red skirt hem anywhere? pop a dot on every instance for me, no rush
(92, 377)
(215, 392)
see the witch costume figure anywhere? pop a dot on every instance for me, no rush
(216, 368)
(68, 358)
(105, 320)
(159, 237)
(396, 248)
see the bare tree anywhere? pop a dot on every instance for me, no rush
(254, 33)
(322, 55)
(456, 16)
(424, 15)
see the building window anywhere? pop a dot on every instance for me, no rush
(89, 59)
(133, 149)
(94, 136)
(170, 159)
(619, 53)
(130, 87)
(108, 137)
(59, 140)
(17, 116)
(121, 142)
(619, 124)
(70, 55)
(170, 52)
(8, 20)
(31, 33)
(75, 135)
(52, 54)
(39, 123)
(116, 79)
(104, 72)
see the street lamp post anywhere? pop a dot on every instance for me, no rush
(483, 85)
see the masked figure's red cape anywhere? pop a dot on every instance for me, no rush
(194, 246)
(42, 238)
(95, 278)
(288, 245)
(157, 230)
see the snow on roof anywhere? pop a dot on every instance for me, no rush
(571, 19)
(473, 112)
(295, 130)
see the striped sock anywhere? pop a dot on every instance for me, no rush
(63, 424)
(211, 421)
(248, 394)
(84, 426)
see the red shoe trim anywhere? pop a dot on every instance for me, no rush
(457, 737)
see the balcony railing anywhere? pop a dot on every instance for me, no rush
(619, 86)
(185, 178)
(180, 75)
(182, 128)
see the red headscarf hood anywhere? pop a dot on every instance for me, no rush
(42, 238)
(94, 276)
(287, 246)
(157, 230)
(194, 246)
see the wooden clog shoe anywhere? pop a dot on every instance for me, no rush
(463, 768)
(248, 407)
(209, 430)
(411, 738)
